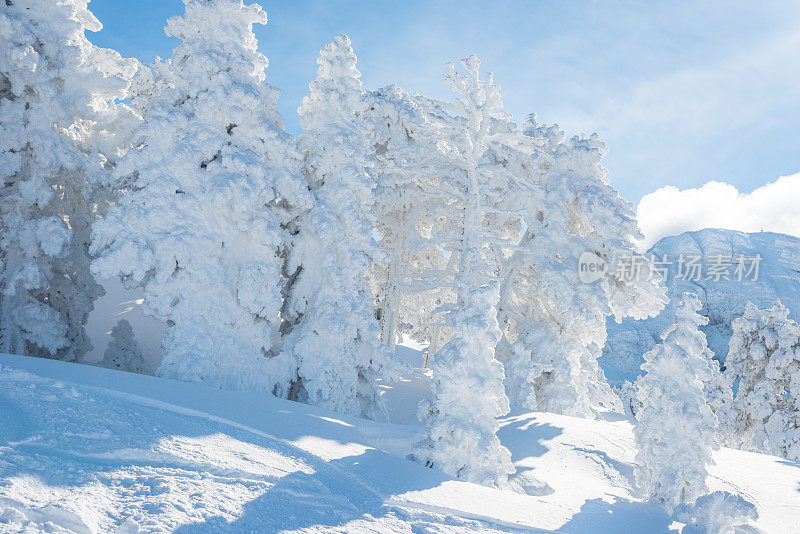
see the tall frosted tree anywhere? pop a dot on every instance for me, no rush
(334, 334)
(413, 281)
(214, 189)
(675, 429)
(554, 323)
(60, 133)
(398, 200)
(764, 356)
(467, 385)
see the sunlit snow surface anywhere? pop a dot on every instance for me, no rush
(84, 449)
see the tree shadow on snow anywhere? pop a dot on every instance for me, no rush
(790, 463)
(599, 516)
(72, 436)
(117, 443)
(338, 492)
(525, 436)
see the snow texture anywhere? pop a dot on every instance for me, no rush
(156, 455)
(720, 512)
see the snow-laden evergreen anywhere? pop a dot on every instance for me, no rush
(410, 283)
(764, 358)
(554, 323)
(123, 352)
(467, 390)
(467, 397)
(213, 187)
(58, 138)
(675, 430)
(333, 333)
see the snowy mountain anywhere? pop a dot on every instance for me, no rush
(777, 278)
(86, 449)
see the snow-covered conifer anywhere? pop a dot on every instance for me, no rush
(554, 323)
(214, 186)
(60, 132)
(467, 397)
(467, 391)
(675, 429)
(407, 284)
(764, 356)
(334, 334)
(123, 353)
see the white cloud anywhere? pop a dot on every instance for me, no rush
(774, 207)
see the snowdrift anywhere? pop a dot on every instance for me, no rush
(86, 449)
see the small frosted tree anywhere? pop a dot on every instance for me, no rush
(467, 390)
(675, 429)
(764, 356)
(720, 512)
(213, 191)
(59, 136)
(554, 324)
(334, 335)
(123, 352)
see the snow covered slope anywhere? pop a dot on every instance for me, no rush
(723, 300)
(85, 449)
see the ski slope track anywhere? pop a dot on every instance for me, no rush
(85, 449)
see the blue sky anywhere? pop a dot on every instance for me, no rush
(683, 92)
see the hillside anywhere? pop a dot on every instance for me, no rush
(86, 449)
(723, 300)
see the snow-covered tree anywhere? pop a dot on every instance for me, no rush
(334, 335)
(764, 357)
(60, 132)
(467, 397)
(407, 283)
(554, 323)
(213, 189)
(675, 429)
(123, 353)
(467, 390)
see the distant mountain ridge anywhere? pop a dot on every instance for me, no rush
(723, 300)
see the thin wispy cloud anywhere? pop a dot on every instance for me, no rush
(682, 92)
(708, 120)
